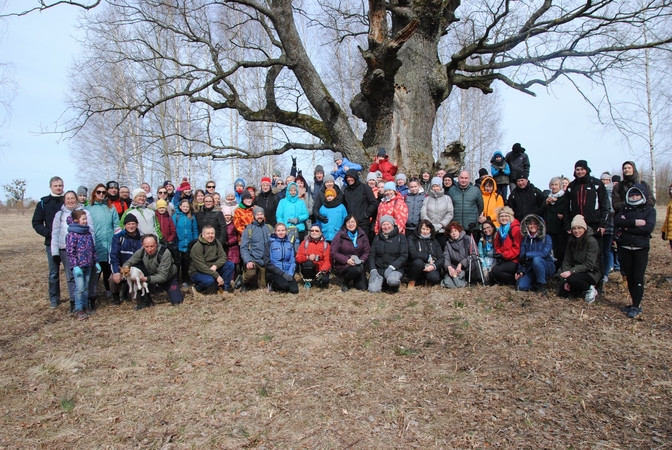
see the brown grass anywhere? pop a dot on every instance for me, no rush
(476, 368)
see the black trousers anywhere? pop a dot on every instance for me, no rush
(633, 265)
(280, 284)
(416, 273)
(309, 271)
(578, 284)
(504, 272)
(355, 274)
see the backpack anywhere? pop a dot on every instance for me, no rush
(249, 235)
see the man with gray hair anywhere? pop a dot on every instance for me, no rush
(467, 203)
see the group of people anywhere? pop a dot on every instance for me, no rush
(373, 234)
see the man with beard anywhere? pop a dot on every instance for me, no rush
(171, 190)
(114, 196)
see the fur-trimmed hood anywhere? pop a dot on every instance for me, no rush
(541, 234)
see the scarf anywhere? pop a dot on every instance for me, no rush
(554, 197)
(504, 230)
(353, 236)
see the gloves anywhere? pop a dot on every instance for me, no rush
(388, 271)
(373, 274)
(98, 269)
(287, 276)
(325, 219)
(78, 272)
(293, 161)
(499, 257)
(57, 258)
(293, 221)
(663, 236)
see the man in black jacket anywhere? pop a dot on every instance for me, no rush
(359, 200)
(43, 219)
(525, 199)
(267, 200)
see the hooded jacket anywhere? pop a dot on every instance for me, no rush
(237, 194)
(340, 171)
(243, 216)
(390, 250)
(491, 201)
(395, 207)
(539, 245)
(500, 171)
(80, 247)
(509, 247)
(212, 216)
(105, 222)
(414, 204)
(253, 242)
(335, 213)
(359, 200)
(147, 223)
(186, 230)
(387, 169)
(342, 248)
(618, 194)
(583, 260)
(633, 236)
(437, 207)
(291, 207)
(519, 162)
(425, 249)
(167, 226)
(320, 199)
(59, 227)
(123, 247)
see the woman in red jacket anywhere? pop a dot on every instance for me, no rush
(313, 255)
(507, 248)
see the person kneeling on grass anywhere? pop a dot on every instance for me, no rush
(425, 254)
(313, 255)
(389, 253)
(209, 263)
(158, 271)
(535, 263)
(280, 262)
(580, 269)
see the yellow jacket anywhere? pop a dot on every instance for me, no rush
(491, 201)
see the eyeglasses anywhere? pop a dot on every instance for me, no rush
(100, 192)
(314, 231)
(212, 186)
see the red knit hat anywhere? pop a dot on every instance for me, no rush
(266, 180)
(185, 186)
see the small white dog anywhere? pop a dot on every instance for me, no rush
(132, 276)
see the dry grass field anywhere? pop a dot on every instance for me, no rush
(429, 368)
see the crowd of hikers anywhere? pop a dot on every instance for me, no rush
(372, 233)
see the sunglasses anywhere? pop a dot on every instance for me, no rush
(212, 186)
(279, 182)
(100, 192)
(163, 192)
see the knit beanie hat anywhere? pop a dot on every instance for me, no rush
(337, 156)
(82, 190)
(229, 191)
(167, 182)
(382, 152)
(226, 210)
(521, 176)
(130, 218)
(579, 221)
(245, 194)
(277, 173)
(606, 175)
(387, 218)
(161, 204)
(328, 177)
(112, 184)
(400, 176)
(185, 186)
(137, 192)
(371, 176)
(329, 192)
(582, 163)
(390, 186)
(616, 179)
(318, 169)
(482, 172)
(257, 209)
(266, 180)
(437, 180)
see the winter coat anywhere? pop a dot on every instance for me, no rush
(320, 200)
(509, 247)
(147, 223)
(425, 249)
(204, 255)
(618, 196)
(340, 171)
(291, 207)
(253, 242)
(387, 169)
(633, 236)
(437, 207)
(396, 207)
(279, 256)
(242, 217)
(43, 217)
(159, 271)
(121, 205)
(586, 196)
(519, 163)
(123, 247)
(526, 201)
(541, 245)
(359, 200)
(177, 199)
(500, 171)
(105, 221)
(391, 250)
(486, 251)
(414, 204)
(212, 216)
(80, 247)
(335, 213)
(342, 248)
(403, 190)
(186, 230)
(467, 204)
(238, 194)
(269, 201)
(550, 212)
(667, 223)
(317, 187)
(167, 226)
(491, 201)
(583, 260)
(319, 247)
(458, 251)
(59, 227)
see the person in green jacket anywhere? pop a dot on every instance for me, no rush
(209, 264)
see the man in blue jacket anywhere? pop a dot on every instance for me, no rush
(124, 244)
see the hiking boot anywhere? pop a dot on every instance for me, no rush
(108, 293)
(590, 295)
(626, 309)
(344, 288)
(244, 288)
(542, 290)
(307, 285)
(239, 282)
(116, 301)
(411, 285)
(81, 315)
(53, 304)
(634, 312)
(72, 306)
(144, 302)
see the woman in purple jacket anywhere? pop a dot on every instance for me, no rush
(350, 251)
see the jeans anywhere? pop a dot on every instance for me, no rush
(203, 281)
(607, 255)
(69, 277)
(82, 288)
(54, 280)
(539, 271)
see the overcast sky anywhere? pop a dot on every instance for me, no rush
(557, 128)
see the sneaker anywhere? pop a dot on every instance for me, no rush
(53, 305)
(634, 312)
(411, 285)
(626, 309)
(81, 315)
(590, 295)
(344, 288)
(307, 285)
(270, 288)
(185, 286)
(542, 290)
